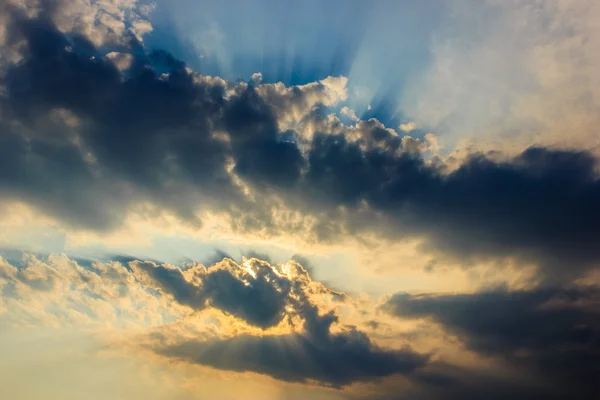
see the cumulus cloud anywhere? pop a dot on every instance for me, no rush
(407, 127)
(263, 295)
(255, 292)
(102, 22)
(350, 113)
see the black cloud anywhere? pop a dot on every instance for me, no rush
(554, 333)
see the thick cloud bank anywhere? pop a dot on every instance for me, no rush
(554, 333)
(90, 133)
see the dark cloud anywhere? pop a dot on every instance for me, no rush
(259, 294)
(539, 206)
(172, 281)
(141, 136)
(441, 381)
(260, 156)
(330, 359)
(554, 334)
(85, 143)
(259, 297)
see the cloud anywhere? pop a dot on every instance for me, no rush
(263, 295)
(350, 113)
(122, 61)
(254, 292)
(485, 208)
(332, 359)
(59, 292)
(88, 144)
(276, 321)
(407, 127)
(552, 332)
(510, 75)
(102, 23)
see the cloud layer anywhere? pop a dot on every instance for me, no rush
(95, 127)
(274, 320)
(553, 332)
(255, 293)
(88, 143)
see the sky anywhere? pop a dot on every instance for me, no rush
(335, 199)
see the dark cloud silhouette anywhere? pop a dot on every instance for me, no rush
(539, 206)
(254, 290)
(553, 333)
(318, 355)
(262, 296)
(259, 296)
(85, 143)
(150, 129)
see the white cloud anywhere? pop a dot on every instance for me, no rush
(100, 21)
(294, 104)
(58, 292)
(513, 73)
(336, 89)
(407, 127)
(257, 77)
(122, 60)
(350, 113)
